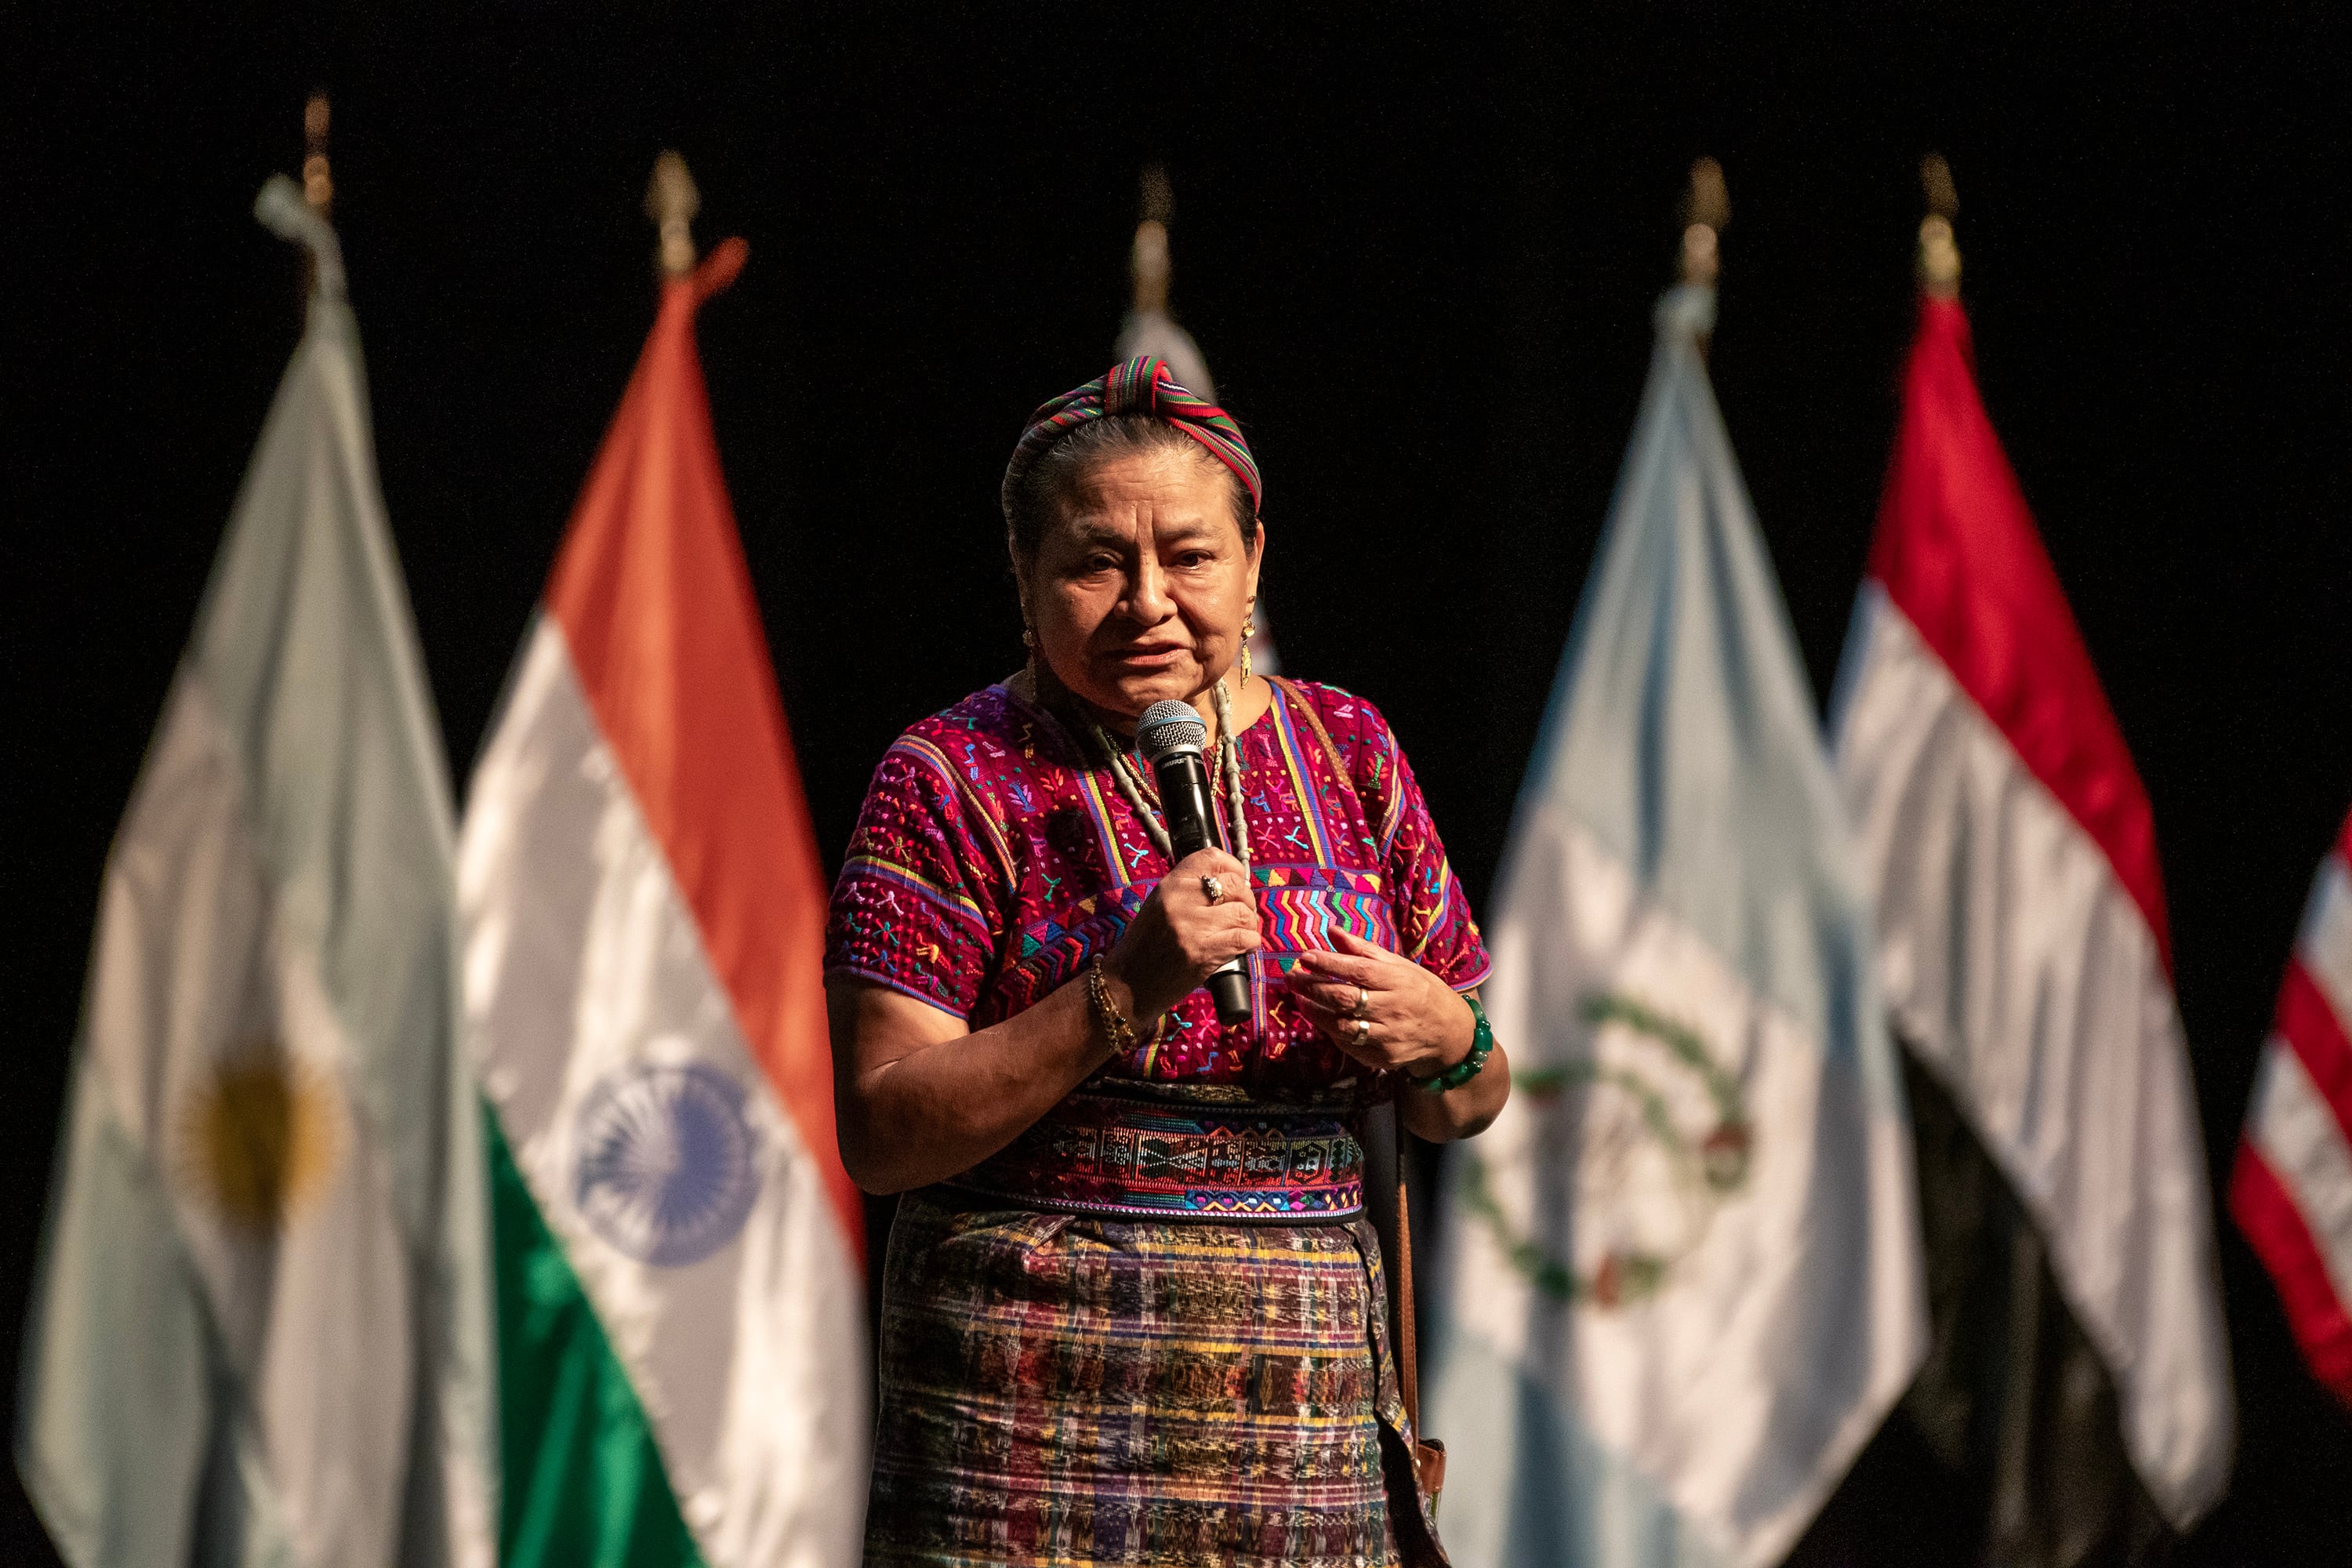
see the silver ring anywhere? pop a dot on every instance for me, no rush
(1363, 1007)
(1363, 1031)
(1214, 888)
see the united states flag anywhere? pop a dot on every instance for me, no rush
(2292, 1192)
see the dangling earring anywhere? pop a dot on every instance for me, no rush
(1028, 639)
(1249, 630)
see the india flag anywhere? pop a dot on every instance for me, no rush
(1682, 1281)
(681, 1321)
(261, 1330)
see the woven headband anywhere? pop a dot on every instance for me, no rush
(1141, 385)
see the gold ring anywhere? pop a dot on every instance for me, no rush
(1214, 888)
(1363, 1007)
(1363, 1031)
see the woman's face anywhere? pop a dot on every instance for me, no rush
(1139, 587)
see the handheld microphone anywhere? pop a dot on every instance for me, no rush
(1171, 738)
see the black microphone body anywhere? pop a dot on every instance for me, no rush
(1182, 775)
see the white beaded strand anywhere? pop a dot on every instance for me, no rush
(1229, 765)
(1229, 748)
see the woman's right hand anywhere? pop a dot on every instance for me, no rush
(1179, 938)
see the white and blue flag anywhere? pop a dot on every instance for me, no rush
(1682, 1281)
(262, 1330)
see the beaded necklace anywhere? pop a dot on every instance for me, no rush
(1229, 767)
(1129, 778)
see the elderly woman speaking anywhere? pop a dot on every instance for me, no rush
(1133, 1311)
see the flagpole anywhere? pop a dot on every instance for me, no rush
(671, 202)
(1706, 211)
(1149, 260)
(1940, 256)
(318, 181)
(1615, 1386)
(729, 1423)
(318, 184)
(1963, 614)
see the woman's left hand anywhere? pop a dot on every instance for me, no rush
(1383, 1008)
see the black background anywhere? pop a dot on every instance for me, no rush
(1420, 251)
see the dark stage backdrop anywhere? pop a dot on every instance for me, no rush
(1420, 253)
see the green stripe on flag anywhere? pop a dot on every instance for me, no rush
(584, 1483)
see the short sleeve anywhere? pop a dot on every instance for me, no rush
(915, 907)
(1433, 913)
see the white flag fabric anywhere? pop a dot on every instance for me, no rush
(1681, 1284)
(1155, 333)
(261, 1329)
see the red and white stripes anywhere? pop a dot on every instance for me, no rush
(2291, 1190)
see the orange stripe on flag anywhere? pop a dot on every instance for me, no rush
(655, 602)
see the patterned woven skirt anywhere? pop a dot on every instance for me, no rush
(1069, 1390)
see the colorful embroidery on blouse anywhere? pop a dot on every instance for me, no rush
(991, 863)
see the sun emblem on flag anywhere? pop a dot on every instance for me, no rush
(260, 1134)
(1661, 1139)
(668, 1163)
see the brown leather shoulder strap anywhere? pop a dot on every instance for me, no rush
(1407, 1331)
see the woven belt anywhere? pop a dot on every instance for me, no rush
(1154, 1156)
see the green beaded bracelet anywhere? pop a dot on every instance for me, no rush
(1482, 1046)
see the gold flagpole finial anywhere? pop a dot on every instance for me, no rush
(671, 201)
(318, 185)
(1706, 209)
(1940, 256)
(1150, 259)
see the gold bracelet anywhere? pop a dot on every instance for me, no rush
(1114, 1022)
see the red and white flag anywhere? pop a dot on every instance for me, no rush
(2023, 945)
(2292, 1190)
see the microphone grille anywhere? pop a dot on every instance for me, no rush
(1166, 728)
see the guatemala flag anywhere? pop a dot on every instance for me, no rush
(1683, 1282)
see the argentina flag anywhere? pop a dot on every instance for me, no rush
(262, 1332)
(1682, 1277)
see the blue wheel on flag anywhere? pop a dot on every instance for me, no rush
(668, 1162)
